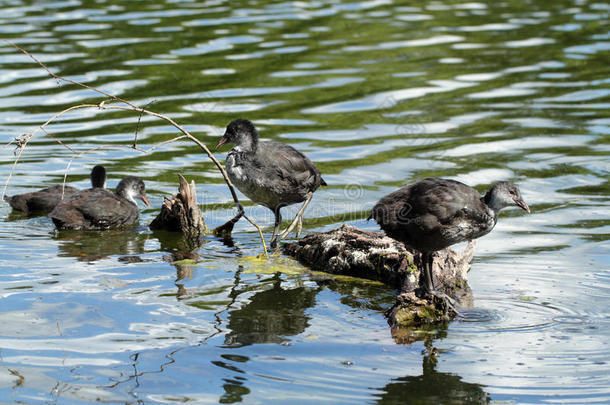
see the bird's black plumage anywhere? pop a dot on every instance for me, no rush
(99, 208)
(270, 173)
(43, 201)
(435, 213)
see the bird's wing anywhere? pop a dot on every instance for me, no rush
(107, 210)
(459, 210)
(288, 163)
(443, 199)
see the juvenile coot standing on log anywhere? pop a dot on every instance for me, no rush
(43, 201)
(434, 213)
(270, 173)
(99, 208)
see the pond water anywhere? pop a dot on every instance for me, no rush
(377, 93)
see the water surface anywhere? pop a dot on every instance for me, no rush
(378, 94)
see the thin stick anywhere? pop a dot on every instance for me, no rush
(260, 233)
(145, 151)
(129, 107)
(47, 133)
(207, 151)
(29, 136)
(13, 168)
(189, 136)
(57, 77)
(135, 138)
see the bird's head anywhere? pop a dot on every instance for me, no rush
(132, 187)
(242, 133)
(505, 194)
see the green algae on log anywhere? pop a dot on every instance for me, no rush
(373, 255)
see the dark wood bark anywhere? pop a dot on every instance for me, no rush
(181, 213)
(351, 251)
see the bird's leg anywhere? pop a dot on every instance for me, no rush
(299, 226)
(428, 259)
(299, 215)
(276, 229)
(429, 281)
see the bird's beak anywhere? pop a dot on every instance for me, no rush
(222, 141)
(522, 204)
(145, 199)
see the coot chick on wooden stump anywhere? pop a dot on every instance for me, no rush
(270, 173)
(99, 208)
(43, 201)
(434, 213)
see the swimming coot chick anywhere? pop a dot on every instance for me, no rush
(434, 213)
(43, 201)
(270, 173)
(99, 208)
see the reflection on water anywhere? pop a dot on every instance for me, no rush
(377, 94)
(271, 316)
(96, 245)
(432, 387)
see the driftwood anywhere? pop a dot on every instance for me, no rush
(373, 255)
(181, 213)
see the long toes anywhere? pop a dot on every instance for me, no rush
(450, 302)
(273, 242)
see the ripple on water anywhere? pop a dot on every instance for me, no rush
(518, 314)
(552, 341)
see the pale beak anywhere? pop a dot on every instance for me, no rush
(523, 205)
(222, 141)
(145, 199)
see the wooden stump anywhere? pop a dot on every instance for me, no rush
(181, 213)
(373, 255)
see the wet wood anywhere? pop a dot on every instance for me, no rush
(373, 255)
(180, 213)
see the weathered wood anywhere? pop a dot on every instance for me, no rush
(181, 213)
(373, 255)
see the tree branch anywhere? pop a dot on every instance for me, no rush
(127, 107)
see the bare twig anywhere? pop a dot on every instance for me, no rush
(187, 134)
(127, 107)
(23, 140)
(64, 79)
(20, 378)
(135, 138)
(57, 140)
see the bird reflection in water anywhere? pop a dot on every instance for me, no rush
(432, 387)
(271, 315)
(88, 246)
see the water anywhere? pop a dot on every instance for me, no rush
(378, 93)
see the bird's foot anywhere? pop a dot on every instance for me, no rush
(450, 303)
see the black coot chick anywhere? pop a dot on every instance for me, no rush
(99, 208)
(434, 213)
(270, 173)
(43, 201)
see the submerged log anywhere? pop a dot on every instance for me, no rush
(373, 255)
(181, 213)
